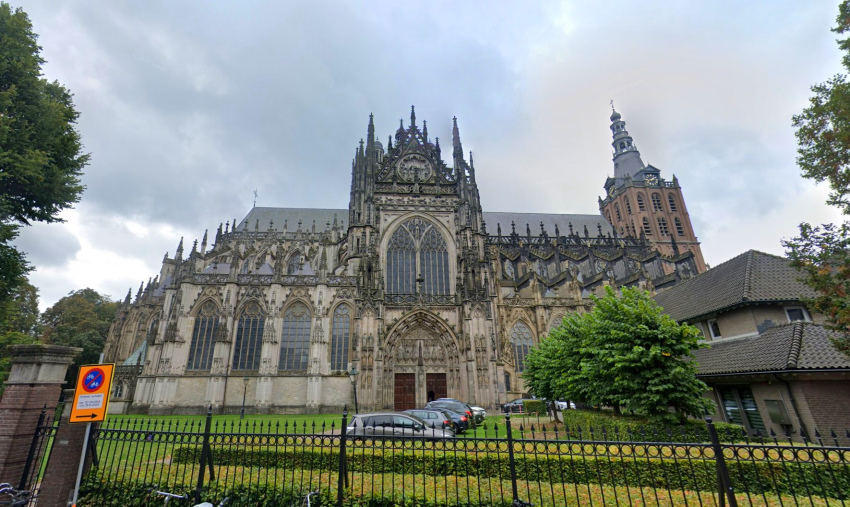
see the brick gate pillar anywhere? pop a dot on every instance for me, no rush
(35, 381)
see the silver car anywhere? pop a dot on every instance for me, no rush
(391, 424)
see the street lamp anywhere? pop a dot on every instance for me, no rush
(353, 374)
(245, 381)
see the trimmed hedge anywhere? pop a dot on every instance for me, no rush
(536, 407)
(683, 474)
(109, 493)
(638, 429)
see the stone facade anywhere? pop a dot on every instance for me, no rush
(407, 286)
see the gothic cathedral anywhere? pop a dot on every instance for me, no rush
(413, 293)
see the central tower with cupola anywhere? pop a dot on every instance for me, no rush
(640, 203)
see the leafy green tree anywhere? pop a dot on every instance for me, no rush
(20, 325)
(41, 157)
(626, 354)
(822, 253)
(80, 319)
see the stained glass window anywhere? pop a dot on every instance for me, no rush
(249, 338)
(203, 337)
(521, 341)
(295, 338)
(294, 265)
(340, 338)
(417, 248)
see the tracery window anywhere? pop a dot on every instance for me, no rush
(617, 212)
(641, 204)
(295, 338)
(647, 229)
(680, 229)
(295, 264)
(249, 338)
(340, 338)
(203, 337)
(417, 248)
(656, 203)
(662, 226)
(628, 206)
(672, 201)
(521, 341)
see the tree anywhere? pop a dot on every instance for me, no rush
(20, 325)
(823, 139)
(80, 319)
(41, 157)
(625, 353)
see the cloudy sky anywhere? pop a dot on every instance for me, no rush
(187, 107)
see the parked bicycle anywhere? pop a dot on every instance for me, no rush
(14, 497)
(304, 501)
(167, 497)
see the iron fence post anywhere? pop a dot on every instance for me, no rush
(205, 450)
(342, 473)
(725, 488)
(511, 457)
(33, 447)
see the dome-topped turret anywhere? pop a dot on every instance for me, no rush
(615, 116)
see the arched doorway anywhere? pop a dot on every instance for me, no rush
(422, 363)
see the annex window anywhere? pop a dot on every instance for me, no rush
(417, 248)
(203, 337)
(295, 338)
(647, 228)
(507, 382)
(714, 328)
(617, 212)
(672, 201)
(740, 407)
(628, 206)
(656, 203)
(295, 264)
(249, 338)
(662, 226)
(521, 341)
(797, 313)
(340, 338)
(641, 204)
(680, 229)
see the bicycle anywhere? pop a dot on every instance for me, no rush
(9, 496)
(303, 502)
(171, 496)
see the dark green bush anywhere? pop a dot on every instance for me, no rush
(582, 423)
(682, 474)
(537, 407)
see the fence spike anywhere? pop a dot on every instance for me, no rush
(772, 433)
(817, 434)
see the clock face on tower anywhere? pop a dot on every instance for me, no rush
(651, 180)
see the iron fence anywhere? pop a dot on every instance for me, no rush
(270, 463)
(39, 452)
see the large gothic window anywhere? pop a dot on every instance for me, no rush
(294, 265)
(617, 210)
(249, 338)
(203, 337)
(417, 248)
(628, 206)
(340, 338)
(521, 341)
(680, 230)
(662, 226)
(641, 204)
(295, 338)
(647, 229)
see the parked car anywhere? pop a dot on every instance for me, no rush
(563, 405)
(457, 406)
(461, 420)
(391, 424)
(478, 413)
(434, 418)
(514, 405)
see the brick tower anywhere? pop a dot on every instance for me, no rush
(639, 202)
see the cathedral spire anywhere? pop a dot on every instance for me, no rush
(179, 253)
(370, 137)
(204, 243)
(412, 116)
(627, 161)
(458, 149)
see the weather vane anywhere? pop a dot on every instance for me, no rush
(255, 197)
(612, 105)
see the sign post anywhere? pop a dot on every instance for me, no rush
(91, 400)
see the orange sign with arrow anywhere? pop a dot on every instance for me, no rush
(91, 397)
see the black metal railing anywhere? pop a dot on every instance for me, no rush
(508, 460)
(39, 452)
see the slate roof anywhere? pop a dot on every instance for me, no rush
(752, 277)
(322, 216)
(790, 347)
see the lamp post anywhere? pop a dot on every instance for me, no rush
(245, 381)
(353, 374)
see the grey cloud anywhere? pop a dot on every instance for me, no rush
(47, 245)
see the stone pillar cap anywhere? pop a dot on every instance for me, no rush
(42, 353)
